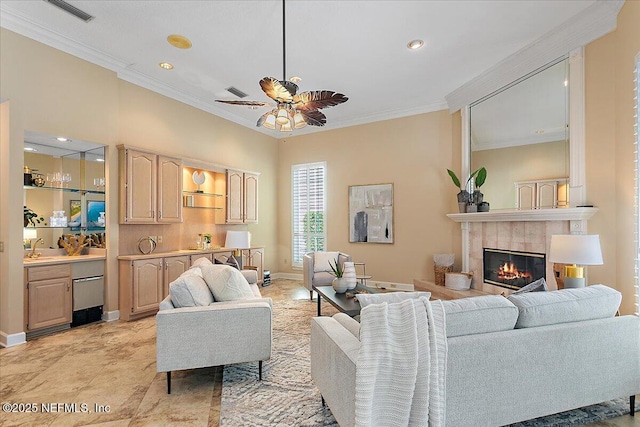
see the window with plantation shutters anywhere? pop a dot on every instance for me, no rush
(308, 204)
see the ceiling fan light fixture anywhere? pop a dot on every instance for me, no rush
(298, 121)
(286, 127)
(270, 121)
(415, 44)
(283, 116)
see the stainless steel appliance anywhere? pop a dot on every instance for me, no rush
(88, 292)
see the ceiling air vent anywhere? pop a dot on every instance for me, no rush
(71, 9)
(236, 92)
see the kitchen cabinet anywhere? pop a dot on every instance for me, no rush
(144, 283)
(150, 187)
(242, 197)
(48, 297)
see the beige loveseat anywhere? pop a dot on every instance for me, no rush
(509, 360)
(212, 317)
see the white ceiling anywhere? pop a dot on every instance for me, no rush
(354, 47)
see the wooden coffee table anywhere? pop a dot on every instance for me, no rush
(344, 304)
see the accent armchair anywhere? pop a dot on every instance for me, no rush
(316, 270)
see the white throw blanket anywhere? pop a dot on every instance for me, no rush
(401, 367)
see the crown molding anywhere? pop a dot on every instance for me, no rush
(592, 23)
(17, 22)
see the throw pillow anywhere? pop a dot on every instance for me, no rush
(539, 285)
(230, 261)
(321, 261)
(390, 297)
(226, 283)
(201, 262)
(190, 290)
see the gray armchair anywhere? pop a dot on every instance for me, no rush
(316, 269)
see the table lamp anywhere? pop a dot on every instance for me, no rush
(578, 250)
(237, 240)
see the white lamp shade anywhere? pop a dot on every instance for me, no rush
(29, 233)
(580, 249)
(238, 240)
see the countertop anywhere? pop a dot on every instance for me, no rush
(56, 258)
(179, 252)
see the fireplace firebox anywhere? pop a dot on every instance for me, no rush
(512, 269)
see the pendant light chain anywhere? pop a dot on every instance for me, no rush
(284, 46)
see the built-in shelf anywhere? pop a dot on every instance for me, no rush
(204, 207)
(560, 214)
(65, 189)
(197, 193)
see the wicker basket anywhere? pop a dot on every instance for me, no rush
(440, 273)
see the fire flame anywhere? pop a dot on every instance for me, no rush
(508, 271)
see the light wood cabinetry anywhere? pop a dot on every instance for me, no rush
(144, 283)
(48, 296)
(150, 187)
(242, 197)
(541, 194)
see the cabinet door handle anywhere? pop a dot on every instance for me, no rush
(68, 287)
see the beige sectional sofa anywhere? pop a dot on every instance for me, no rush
(509, 359)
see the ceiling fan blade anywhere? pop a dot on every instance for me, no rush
(316, 99)
(289, 86)
(314, 117)
(249, 103)
(275, 90)
(262, 119)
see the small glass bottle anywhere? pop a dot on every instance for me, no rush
(199, 242)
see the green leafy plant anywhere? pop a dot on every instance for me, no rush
(481, 177)
(456, 181)
(207, 237)
(336, 268)
(30, 217)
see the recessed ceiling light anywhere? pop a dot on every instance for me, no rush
(166, 66)
(295, 79)
(415, 44)
(29, 149)
(62, 139)
(539, 131)
(181, 42)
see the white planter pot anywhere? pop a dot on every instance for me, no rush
(340, 285)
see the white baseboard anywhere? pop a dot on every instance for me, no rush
(111, 316)
(12, 340)
(292, 276)
(390, 285)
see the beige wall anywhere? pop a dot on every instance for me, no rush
(609, 64)
(505, 166)
(413, 153)
(54, 93)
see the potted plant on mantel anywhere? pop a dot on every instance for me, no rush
(340, 284)
(464, 197)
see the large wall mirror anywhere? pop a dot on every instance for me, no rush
(520, 134)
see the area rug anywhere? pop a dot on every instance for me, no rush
(286, 396)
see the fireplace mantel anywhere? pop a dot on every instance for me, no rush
(560, 214)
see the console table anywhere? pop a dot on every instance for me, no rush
(440, 292)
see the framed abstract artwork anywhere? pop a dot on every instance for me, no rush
(371, 213)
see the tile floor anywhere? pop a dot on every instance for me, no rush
(110, 368)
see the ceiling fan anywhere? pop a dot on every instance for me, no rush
(293, 110)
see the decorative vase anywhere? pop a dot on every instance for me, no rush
(472, 207)
(477, 197)
(349, 274)
(483, 207)
(462, 207)
(463, 196)
(340, 285)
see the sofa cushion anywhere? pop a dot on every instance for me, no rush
(190, 290)
(479, 315)
(323, 278)
(321, 261)
(226, 283)
(200, 262)
(566, 305)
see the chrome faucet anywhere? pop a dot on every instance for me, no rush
(33, 253)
